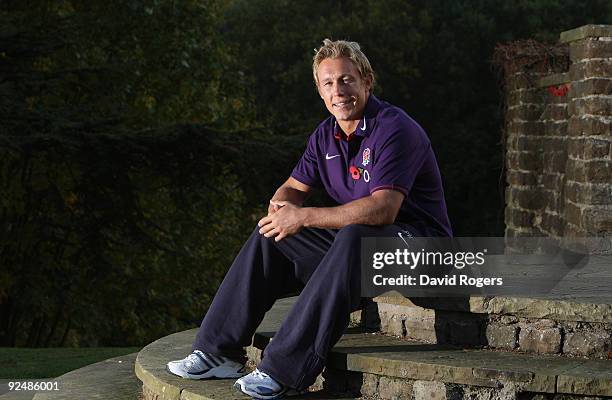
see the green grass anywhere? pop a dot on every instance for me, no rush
(26, 363)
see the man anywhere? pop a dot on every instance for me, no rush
(377, 163)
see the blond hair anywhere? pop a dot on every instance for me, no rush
(342, 48)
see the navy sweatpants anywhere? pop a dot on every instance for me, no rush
(324, 264)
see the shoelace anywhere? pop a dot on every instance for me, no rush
(262, 375)
(191, 360)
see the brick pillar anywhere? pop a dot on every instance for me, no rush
(588, 186)
(554, 145)
(523, 157)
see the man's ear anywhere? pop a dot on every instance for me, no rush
(368, 82)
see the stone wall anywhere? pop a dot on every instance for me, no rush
(558, 142)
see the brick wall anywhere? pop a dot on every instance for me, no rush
(558, 142)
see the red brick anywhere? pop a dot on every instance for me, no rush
(598, 171)
(524, 232)
(508, 196)
(518, 218)
(556, 100)
(597, 194)
(555, 129)
(554, 224)
(575, 170)
(578, 126)
(596, 148)
(519, 178)
(554, 161)
(593, 105)
(533, 95)
(590, 48)
(591, 86)
(572, 191)
(555, 144)
(528, 199)
(571, 230)
(553, 201)
(522, 80)
(555, 112)
(590, 194)
(573, 214)
(526, 127)
(529, 143)
(553, 181)
(528, 112)
(590, 69)
(575, 148)
(523, 160)
(597, 220)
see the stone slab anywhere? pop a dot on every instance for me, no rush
(16, 395)
(395, 358)
(584, 32)
(112, 379)
(598, 309)
(150, 365)
(589, 378)
(371, 353)
(392, 357)
(150, 368)
(554, 80)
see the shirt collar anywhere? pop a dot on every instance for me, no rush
(367, 122)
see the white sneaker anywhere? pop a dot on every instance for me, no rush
(260, 385)
(200, 365)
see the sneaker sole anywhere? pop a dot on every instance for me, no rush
(219, 372)
(287, 392)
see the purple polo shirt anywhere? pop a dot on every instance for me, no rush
(388, 150)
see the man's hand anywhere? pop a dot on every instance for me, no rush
(286, 219)
(273, 207)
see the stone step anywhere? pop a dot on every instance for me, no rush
(158, 384)
(384, 366)
(111, 379)
(574, 327)
(375, 366)
(373, 359)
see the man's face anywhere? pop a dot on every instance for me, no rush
(342, 88)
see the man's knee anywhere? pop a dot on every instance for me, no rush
(352, 233)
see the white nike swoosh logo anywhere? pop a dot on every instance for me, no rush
(328, 157)
(363, 128)
(403, 239)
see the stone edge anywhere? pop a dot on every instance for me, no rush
(554, 80)
(561, 310)
(74, 373)
(584, 32)
(158, 385)
(155, 384)
(484, 377)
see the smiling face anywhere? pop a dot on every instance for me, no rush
(343, 90)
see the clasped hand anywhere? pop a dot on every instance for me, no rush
(284, 219)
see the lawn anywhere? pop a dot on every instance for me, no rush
(27, 363)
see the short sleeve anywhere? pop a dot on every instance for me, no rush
(307, 168)
(400, 157)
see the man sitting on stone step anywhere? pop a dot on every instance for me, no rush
(378, 164)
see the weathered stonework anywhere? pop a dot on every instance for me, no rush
(395, 389)
(559, 143)
(502, 336)
(587, 344)
(542, 340)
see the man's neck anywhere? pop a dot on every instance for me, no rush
(349, 127)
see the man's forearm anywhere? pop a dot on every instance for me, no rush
(367, 211)
(287, 193)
